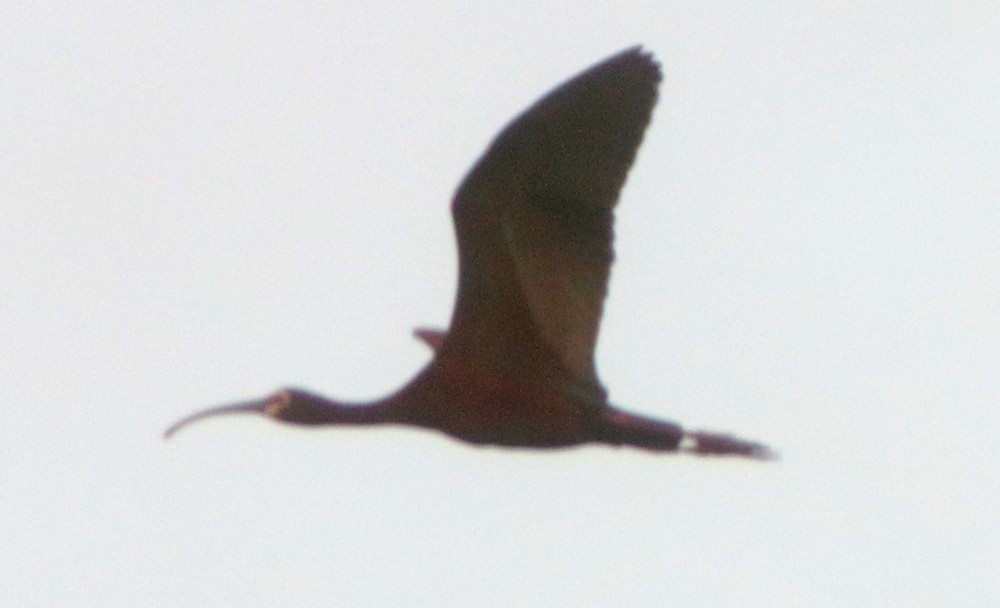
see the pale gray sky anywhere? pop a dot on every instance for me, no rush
(201, 204)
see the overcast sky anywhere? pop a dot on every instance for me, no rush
(200, 204)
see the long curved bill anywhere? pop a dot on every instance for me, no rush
(256, 406)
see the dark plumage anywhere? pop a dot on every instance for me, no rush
(534, 221)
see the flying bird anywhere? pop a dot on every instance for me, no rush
(533, 220)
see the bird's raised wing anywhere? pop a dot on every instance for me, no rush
(534, 218)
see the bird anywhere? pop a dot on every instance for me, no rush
(534, 221)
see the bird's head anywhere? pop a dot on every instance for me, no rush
(286, 405)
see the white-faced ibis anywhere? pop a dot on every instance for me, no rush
(534, 224)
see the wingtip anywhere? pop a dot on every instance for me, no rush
(642, 54)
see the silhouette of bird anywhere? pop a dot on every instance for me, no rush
(533, 220)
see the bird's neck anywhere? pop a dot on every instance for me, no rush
(316, 409)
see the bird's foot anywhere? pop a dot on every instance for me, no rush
(702, 443)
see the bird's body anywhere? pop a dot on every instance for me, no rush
(534, 220)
